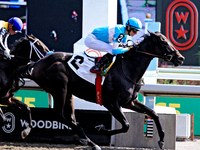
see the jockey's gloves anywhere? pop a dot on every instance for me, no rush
(7, 53)
(119, 51)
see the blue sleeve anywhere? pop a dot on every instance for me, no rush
(119, 35)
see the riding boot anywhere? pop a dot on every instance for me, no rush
(103, 61)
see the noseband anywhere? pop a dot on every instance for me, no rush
(33, 47)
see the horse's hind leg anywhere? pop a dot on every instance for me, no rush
(66, 112)
(69, 112)
(141, 108)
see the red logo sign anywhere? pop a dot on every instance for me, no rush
(182, 24)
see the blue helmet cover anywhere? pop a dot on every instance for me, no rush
(134, 23)
(17, 23)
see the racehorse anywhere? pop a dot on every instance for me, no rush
(23, 50)
(119, 90)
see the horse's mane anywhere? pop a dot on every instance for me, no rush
(145, 36)
(16, 44)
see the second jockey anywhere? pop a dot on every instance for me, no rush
(13, 26)
(108, 39)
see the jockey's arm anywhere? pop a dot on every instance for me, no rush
(117, 49)
(3, 39)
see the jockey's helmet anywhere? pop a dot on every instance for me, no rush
(134, 23)
(17, 24)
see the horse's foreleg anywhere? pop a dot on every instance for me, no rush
(16, 103)
(24, 108)
(2, 118)
(119, 115)
(141, 108)
(64, 108)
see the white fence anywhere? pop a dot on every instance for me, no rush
(178, 73)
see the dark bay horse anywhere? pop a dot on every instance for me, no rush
(24, 50)
(120, 88)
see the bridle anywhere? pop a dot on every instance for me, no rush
(166, 57)
(33, 47)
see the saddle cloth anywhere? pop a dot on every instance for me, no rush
(81, 63)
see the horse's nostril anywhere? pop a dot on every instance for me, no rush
(181, 58)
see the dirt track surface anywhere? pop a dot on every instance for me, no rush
(180, 145)
(46, 146)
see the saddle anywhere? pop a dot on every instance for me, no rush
(105, 65)
(81, 63)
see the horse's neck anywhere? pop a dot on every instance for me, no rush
(136, 64)
(145, 58)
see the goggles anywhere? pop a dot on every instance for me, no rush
(15, 29)
(134, 30)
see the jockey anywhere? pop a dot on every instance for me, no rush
(101, 38)
(13, 26)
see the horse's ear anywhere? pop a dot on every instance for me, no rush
(151, 33)
(30, 37)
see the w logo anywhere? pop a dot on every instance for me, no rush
(10, 125)
(181, 17)
(182, 24)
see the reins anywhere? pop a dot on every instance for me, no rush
(39, 54)
(33, 47)
(150, 54)
(165, 57)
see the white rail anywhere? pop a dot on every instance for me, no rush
(178, 73)
(158, 90)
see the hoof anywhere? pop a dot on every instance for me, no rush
(96, 147)
(25, 132)
(83, 141)
(161, 144)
